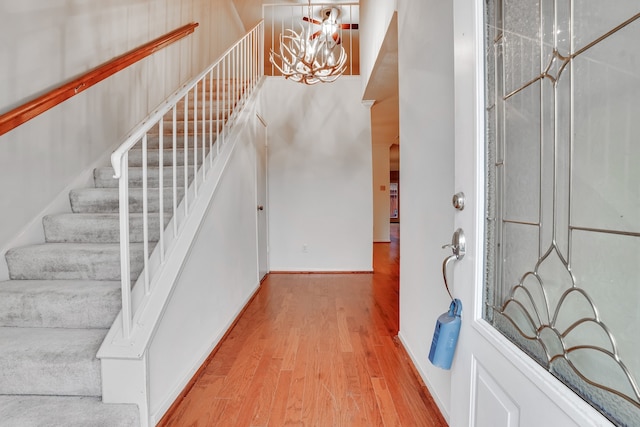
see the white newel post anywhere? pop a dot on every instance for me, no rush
(127, 381)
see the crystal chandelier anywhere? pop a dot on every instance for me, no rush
(311, 57)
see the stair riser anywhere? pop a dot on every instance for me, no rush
(218, 113)
(50, 367)
(168, 128)
(98, 228)
(103, 177)
(219, 109)
(59, 304)
(228, 91)
(88, 201)
(74, 380)
(66, 411)
(153, 156)
(59, 262)
(153, 141)
(219, 84)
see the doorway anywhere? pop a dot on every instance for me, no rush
(261, 196)
(394, 196)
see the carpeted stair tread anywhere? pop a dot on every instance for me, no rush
(65, 411)
(50, 361)
(105, 200)
(97, 227)
(59, 303)
(103, 177)
(64, 261)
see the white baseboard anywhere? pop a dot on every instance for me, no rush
(425, 379)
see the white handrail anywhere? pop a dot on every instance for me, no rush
(213, 98)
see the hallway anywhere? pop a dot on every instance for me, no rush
(314, 350)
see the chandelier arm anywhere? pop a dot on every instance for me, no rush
(280, 69)
(338, 67)
(286, 49)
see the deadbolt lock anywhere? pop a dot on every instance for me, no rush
(458, 201)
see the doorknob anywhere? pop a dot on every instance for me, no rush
(260, 207)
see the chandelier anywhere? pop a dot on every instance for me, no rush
(310, 57)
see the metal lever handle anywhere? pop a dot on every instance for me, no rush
(458, 247)
(445, 264)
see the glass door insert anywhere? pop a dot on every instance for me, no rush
(563, 191)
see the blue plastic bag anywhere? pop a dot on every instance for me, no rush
(445, 337)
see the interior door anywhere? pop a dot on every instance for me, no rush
(261, 196)
(494, 383)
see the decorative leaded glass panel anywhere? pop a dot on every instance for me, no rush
(563, 191)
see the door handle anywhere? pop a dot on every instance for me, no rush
(260, 207)
(458, 246)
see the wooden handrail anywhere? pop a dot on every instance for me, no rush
(31, 109)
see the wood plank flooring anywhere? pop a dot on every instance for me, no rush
(313, 350)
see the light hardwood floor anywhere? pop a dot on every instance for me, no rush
(313, 350)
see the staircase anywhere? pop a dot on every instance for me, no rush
(64, 294)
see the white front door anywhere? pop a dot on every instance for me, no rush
(494, 383)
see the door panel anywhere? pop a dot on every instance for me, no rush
(493, 406)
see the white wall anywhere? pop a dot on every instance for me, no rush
(425, 61)
(320, 176)
(250, 11)
(381, 197)
(218, 278)
(375, 16)
(48, 43)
